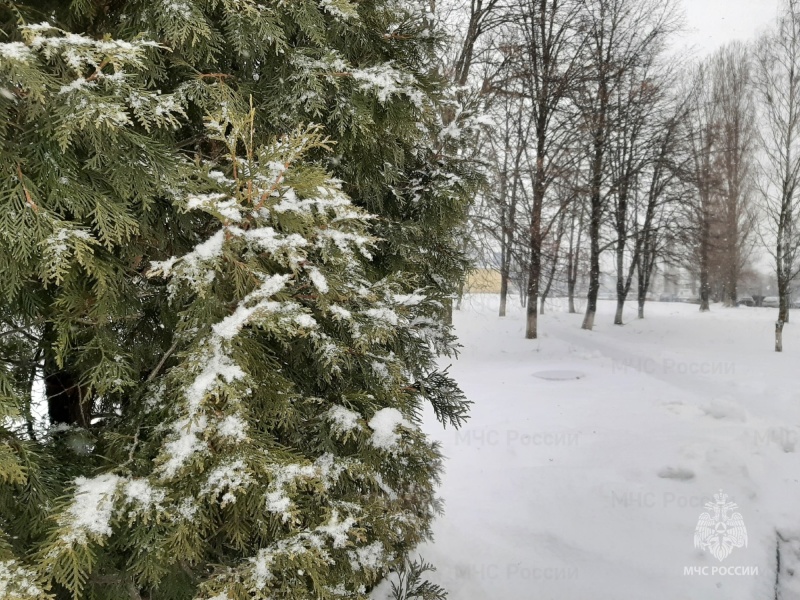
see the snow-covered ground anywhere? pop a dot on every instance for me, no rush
(590, 486)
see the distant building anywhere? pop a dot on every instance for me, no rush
(483, 281)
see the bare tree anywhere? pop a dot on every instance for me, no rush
(720, 221)
(575, 255)
(777, 77)
(548, 67)
(484, 16)
(514, 133)
(620, 35)
(638, 116)
(551, 251)
(702, 134)
(733, 96)
(664, 193)
(468, 46)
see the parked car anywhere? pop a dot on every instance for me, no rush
(666, 298)
(771, 302)
(745, 301)
(794, 303)
(692, 300)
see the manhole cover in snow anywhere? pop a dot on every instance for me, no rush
(559, 375)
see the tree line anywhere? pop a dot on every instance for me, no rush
(611, 152)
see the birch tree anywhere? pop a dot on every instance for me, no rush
(777, 83)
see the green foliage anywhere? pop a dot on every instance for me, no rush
(235, 315)
(408, 582)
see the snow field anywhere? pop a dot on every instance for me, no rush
(589, 456)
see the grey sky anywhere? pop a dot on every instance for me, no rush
(711, 23)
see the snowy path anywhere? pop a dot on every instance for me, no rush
(592, 487)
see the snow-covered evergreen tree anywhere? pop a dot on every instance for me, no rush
(230, 315)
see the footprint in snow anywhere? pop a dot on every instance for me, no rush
(559, 375)
(724, 410)
(676, 473)
(682, 409)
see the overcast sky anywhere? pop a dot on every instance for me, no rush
(711, 23)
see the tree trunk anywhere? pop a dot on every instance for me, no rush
(618, 314)
(66, 401)
(732, 292)
(505, 259)
(705, 284)
(551, 275)
(784, 274)
(531, 331)
(535, 266)
(705, 291)
(573, 258)
(594, 265)
(783, 306)
(508, 225)
(596, 203)
(645, 266)
(785, 261)
(503, 292)
(621, 291)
